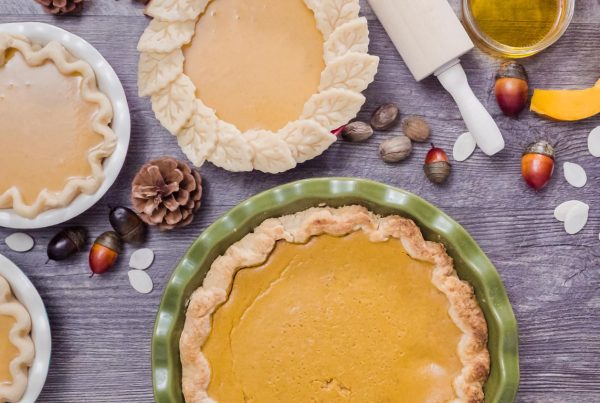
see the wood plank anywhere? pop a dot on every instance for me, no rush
(102, 329)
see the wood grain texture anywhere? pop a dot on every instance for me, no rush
(102, 328)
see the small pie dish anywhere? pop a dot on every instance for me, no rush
(25, 339)
(255, 84)
(66, 125)
(322, 289)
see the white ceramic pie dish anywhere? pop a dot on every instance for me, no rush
(109, 83)
(26, 293)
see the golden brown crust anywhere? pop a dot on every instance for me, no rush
(20, 338)
(255, 248)
(66, 63)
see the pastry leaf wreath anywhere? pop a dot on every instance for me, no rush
(202, 136)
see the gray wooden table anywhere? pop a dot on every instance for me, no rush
(102, 328)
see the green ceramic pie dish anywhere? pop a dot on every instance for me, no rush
(471, 264)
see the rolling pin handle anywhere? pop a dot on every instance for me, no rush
(477, 119)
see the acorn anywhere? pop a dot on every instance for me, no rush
(537, 164)
(128, 225)
(66, 243)
(105, 252)
(512, 88)
(338, 132)
(437, 168)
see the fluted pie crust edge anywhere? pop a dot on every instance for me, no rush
(254, 249)
(202, 136)
(66, 63)
(20, 338)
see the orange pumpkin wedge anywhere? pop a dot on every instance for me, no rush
(567, 105)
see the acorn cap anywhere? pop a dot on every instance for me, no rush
(438, 171)
(512, 69)
(540, 147)
(110, 240)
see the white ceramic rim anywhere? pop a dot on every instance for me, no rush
(26, 293)
(109, 83)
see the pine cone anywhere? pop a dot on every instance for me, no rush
(60, 6)
(166, 192)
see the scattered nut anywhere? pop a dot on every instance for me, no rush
(416, 129)
(395, 149)
(385, 116)
(357, 131)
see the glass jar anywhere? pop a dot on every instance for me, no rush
(517, 28)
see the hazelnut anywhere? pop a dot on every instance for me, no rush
(385, 116)
(357, 131)
(395, 149)
(416, 129)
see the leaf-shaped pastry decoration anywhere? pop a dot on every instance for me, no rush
(352, 36)
(333, 108)
(353, 71)
(232, 151)
(203, 136)
(306, 139)
(156, 70)
(271, 154)
(164, 37)
(331, 14)
(174, 104)
(175, 10)
(198, 138)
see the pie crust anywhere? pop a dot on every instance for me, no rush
(255, 248)
(19, 337)
(203, 136)
(66, 63)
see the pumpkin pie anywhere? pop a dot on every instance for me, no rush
(55, 130)
(334, 305)
(255, 84)
(16, 346)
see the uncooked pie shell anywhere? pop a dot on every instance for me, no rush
(67, 64)
(19, 337)
(255, 248)
(203, 136)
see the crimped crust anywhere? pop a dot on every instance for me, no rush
(66, 63)
(254, 249)
(19, 337)
(202, 136)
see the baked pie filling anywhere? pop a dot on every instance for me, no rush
(334, 319)
(8, 351)
(256, 62)
(46, 132)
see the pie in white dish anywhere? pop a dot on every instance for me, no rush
(16, 346)
(55, 127)
(255, 84)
